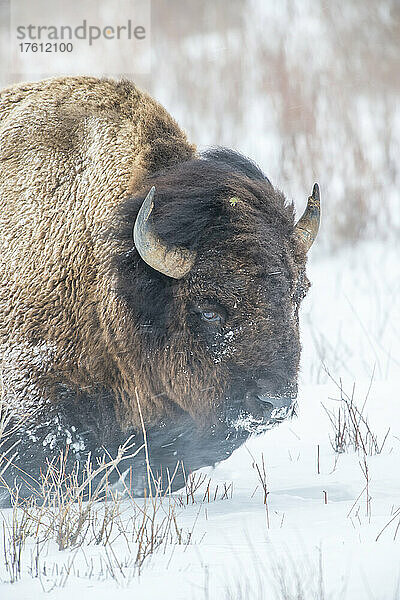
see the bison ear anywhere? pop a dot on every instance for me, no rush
(172, 261)
(307, 226)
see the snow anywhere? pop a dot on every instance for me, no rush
(321, 531)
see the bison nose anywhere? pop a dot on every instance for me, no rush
(276, 396)
(275, 402)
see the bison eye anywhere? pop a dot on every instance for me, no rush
(211, 316)
(210, 312)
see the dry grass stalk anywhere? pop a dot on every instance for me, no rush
(262, 477)
(352, 430)
(394, 518)
(80, 507)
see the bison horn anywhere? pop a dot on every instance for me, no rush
(307, 226)
(172, 261)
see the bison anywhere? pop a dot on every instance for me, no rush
(141, 282)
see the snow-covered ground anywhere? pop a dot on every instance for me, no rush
(322, 532)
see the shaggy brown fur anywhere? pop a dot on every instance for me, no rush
(70, 151)
(85, 322)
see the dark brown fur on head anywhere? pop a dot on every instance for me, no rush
(248, 268)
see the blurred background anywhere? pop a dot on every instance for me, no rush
(309, 89)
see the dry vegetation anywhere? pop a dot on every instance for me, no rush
(308, 89)
(352, 430)
(291, 580)
(72, 512)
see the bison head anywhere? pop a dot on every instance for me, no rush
(212, 291)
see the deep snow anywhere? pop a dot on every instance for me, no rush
(317, 532)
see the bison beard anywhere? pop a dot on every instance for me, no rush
(197, 320)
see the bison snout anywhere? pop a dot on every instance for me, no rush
(276, 397)
(269, 407)
(276, 402)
